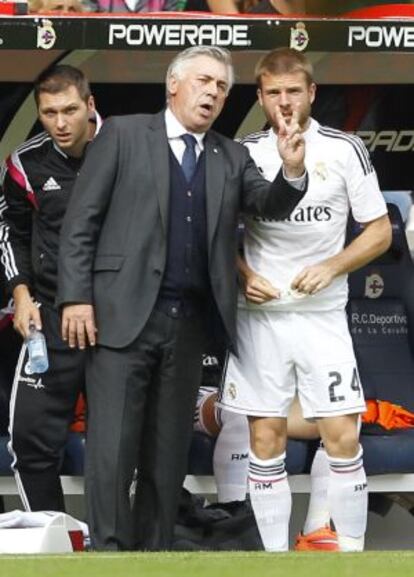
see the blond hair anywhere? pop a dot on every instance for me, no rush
(283, 61)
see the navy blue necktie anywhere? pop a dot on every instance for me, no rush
(189, 161)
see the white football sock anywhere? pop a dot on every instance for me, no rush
(271, 500)
(231, 457)
(318, 510)
(348, 501)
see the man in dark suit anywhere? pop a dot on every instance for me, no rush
(147, 261)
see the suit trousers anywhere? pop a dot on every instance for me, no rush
(141, 400)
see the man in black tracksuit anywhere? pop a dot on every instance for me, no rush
(37, 180)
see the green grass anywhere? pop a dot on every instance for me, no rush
(370, 564)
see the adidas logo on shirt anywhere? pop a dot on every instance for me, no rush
(51, 184)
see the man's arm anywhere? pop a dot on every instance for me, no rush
(291, 182)
(79, 326)
(291, 146)
(16, 213)
(26, 312)
(79, 237)
(374, 240)
(257, 289)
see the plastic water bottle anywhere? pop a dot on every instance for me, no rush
(36, 346)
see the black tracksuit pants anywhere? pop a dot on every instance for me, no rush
(41, 410)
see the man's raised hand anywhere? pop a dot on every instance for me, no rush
(291, 144)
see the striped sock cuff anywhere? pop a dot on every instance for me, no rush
(267, 469)
(341, 466)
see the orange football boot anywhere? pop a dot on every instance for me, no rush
(323, 539)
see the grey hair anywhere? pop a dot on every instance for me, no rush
(181, 60)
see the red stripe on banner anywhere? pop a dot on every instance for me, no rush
(384, 11)
(151, 15)
(12, 8)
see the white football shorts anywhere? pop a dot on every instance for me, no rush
(281, 353)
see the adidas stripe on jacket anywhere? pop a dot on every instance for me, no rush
(37, 180)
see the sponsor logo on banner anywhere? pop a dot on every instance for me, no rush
(373, 323)
(299, 37)
(374, 286)
(381, 36)
(234, 35)
(46, 35)
(388, 140)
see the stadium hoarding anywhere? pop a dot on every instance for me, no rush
(364, 69)
(251, 34)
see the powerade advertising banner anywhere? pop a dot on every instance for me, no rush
(25, 33)
(126, 60)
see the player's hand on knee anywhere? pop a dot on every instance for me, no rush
(78, 325)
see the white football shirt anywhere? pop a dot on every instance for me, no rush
(341, 178)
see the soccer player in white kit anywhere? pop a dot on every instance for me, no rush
(292, 327)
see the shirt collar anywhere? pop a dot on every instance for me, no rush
(97, 119)
(175, 129)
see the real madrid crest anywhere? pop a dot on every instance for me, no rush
(232, 391)
(46, 34)
(299, 37)
(320, 171)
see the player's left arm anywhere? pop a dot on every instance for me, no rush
(374, 240)
(368, 208)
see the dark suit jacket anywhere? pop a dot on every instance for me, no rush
(114, 237)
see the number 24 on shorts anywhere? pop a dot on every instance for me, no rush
(336, 379)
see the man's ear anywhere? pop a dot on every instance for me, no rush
(172, 85)
(91, 104)
(259, 97)
(312, 92)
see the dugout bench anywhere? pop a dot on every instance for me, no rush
(135, 51)
(381, 320)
